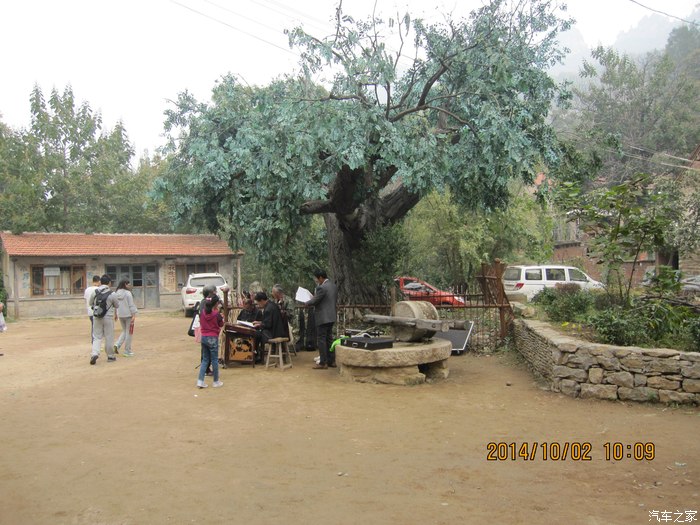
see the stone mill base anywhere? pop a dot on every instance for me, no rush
(404, 364)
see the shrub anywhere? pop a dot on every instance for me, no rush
(617, 326)
(692, 333)
(565, 303)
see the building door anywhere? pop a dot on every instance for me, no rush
(144, 281)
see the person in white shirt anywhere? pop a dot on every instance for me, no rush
(88, 294)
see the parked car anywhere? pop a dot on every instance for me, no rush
(690, 286)
(415, 289)
(192, 291)
(529, 280)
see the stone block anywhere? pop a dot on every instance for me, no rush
(579, 361)
(557, 357)
(620, 379)
(640, 380)
(597, 349)
(634, 363)
(642, 394)
(569, 387)
(598, 391)
(595, 376)
(691, 385)
(671, 396)
(570, 373)
(664, 366)
(621, 352)
(661, 352)
(608, 363)
(691, 356)
(692, 372)
(662, 383)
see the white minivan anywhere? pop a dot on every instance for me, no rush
(528, 280)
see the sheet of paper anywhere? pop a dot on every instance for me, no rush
(246, 323)
(303, 295)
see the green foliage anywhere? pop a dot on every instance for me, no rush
(446, 244)
(566, 303)
(692, 330)
(619, 326)
(68, 174)
(621, 222)
(665, 281)
(467, 113)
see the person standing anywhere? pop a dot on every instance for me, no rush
(88, 293)
(323, 301)
(286, 309)
(103, 327)
(210, 321)
(126, 313)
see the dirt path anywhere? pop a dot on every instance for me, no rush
(134, 442)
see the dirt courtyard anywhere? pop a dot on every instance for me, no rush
(134, 442)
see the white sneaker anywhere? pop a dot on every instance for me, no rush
(218, 384)
(201, 384)
(128, 354)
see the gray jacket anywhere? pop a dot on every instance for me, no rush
(126, 307)
(112, 301)
(323, 301)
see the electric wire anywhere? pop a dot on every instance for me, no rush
(665, 14)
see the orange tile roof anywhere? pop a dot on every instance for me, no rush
(98, 244)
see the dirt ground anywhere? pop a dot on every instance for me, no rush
(134, 442)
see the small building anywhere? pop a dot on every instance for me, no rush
(45, 274)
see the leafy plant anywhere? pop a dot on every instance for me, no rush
(619, 326)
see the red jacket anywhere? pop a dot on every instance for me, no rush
(210, 324)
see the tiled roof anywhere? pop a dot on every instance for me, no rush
(98, 244)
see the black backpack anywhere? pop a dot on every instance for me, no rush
(99, 305)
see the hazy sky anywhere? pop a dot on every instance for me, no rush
(127, 58)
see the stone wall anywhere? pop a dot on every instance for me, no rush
(579, 368)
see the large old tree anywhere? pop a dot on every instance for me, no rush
(463, 109)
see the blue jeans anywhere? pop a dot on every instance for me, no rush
(210, 354)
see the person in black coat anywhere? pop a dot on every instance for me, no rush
(271, 326)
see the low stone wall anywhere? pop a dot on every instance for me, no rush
(590, 370)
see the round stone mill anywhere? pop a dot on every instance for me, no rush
(416, 357)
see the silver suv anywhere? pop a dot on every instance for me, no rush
(192, 291)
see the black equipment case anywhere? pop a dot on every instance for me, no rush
(369, 343)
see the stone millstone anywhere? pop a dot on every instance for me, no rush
(416, 310)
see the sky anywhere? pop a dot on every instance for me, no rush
(128, 59)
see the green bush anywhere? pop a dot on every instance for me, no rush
(565, 303)
(692, 334)
(617, 326)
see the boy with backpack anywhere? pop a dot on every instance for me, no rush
(104, 303)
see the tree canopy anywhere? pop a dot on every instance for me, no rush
(464, 110)
(66, 173)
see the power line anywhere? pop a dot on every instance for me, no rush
(235, 28)
(665, 14)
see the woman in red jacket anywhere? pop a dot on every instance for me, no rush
(210, 322)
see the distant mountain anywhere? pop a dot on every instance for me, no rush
(649, 34)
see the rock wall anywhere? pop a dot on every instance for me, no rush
(590, 370)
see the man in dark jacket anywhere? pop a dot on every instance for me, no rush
(323, 301)
(271, 325)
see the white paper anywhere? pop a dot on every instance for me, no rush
(303, 295)
(246, 323)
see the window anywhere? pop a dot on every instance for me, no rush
(57, 280)
(577, 275)
(555, 274)
(533, 275)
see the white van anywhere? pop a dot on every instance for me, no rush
(528, 280)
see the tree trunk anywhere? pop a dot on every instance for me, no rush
(345, 270)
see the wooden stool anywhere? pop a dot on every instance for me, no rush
(277, 349)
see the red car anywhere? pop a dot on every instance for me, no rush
(415, 289)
